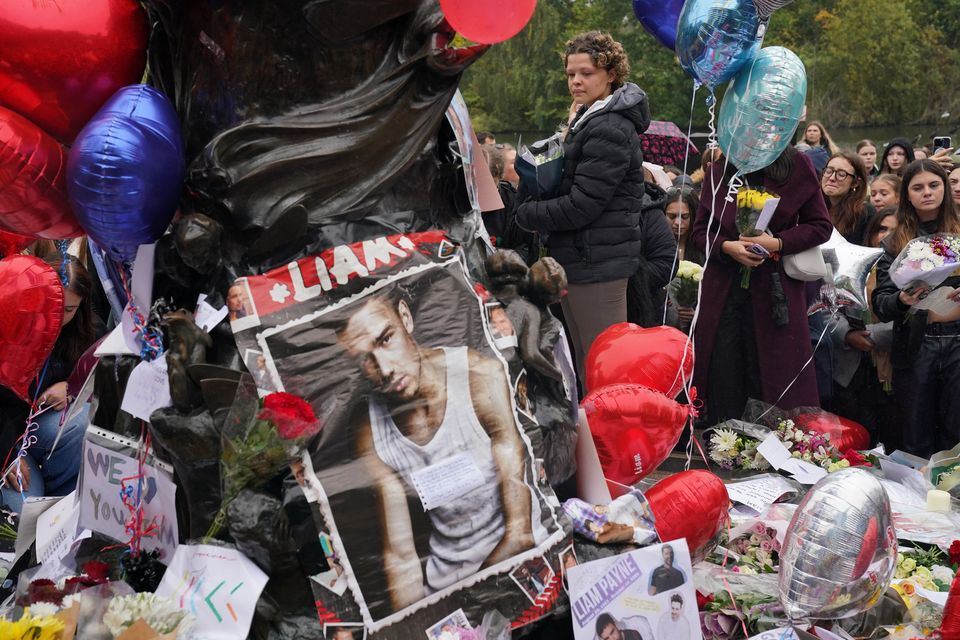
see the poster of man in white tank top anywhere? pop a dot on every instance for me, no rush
(424, 473)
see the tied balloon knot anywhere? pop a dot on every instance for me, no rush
(695, 405)
(734, 187)
(131, 495)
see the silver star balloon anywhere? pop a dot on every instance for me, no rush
(840, 550)
(851, 268)
(765, 8)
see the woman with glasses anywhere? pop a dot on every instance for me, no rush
(926, 343)
(595, 224)
(844, 184)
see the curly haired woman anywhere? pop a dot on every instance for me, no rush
(596, 225)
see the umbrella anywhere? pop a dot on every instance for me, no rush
(664, 143)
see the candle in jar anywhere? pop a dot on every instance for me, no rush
(938, 500)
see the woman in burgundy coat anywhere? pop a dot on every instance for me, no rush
(750, 343)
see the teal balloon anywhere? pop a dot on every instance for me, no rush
(717, 38)
(761, 109)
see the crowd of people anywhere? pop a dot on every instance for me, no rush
(620, 235)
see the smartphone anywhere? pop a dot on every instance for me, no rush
(759, 250)
(941, 142)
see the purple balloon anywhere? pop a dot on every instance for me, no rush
(660, 18)
(125, 171)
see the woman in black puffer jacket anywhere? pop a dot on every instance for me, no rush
(593, 226)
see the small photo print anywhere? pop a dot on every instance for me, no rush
(568, 558)
(257, 366)
(241, 310)
(450, 627)
(521, 394)
(504, 335)
(533, 577)
(541, 472)
(344, 631)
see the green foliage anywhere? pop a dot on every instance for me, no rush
(869, 62)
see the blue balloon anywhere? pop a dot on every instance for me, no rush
(716, 38)
(761, 109)
(125, 171)
(660, 18)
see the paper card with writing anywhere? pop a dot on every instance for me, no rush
(218, 585)
(647, 594)
(148, 389)
(207, 316)
(447, 480)
(101, 507)
(57, 529)
(760, 492)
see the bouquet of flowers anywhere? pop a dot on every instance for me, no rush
(732, 449)
(924, 569)
(162, 615)
(687, 283)
(723, 617)
(757, 550)
(260, 439)
(929, 260)
(749, 205)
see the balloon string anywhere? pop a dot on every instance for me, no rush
(726, 585)
(830, 321)
(151, 340)
(132, 496)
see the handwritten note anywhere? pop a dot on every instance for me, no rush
(779, 458)
(759, 493)
(57, 529)
(102, 477)
(148, 389)
(206, 316)
(218, 585)
(766, 214)
(446, 481)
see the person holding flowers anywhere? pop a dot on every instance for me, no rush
(752, 341)
(926, 344)
(681, 209)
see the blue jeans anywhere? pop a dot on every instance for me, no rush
(51, 474)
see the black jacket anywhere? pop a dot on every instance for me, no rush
(646, 294)
(594, 224)
(908, 328)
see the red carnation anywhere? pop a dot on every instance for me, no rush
(292, 415)
(856, 459)
(703, 601)
(94, 570)
(955, 552)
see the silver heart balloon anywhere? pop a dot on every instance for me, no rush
(851, 269)
(840, 549)
(765, 8)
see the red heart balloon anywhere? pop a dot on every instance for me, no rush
(31, 313)
(950, 627)
(626, 352)
(691, 504)
(33, 187)
(489, 21)
(60, 61)
(634, 428)
(11, 243)
(844, 434)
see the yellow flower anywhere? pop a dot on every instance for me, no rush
(908, 564)
(41, 628)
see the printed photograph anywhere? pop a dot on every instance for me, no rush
(417, 429)
(344, 631)
(533, 577)
(450, 627)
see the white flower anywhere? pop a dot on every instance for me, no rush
(160, 613)
(942, 573)
(724, 440)
(43, 609)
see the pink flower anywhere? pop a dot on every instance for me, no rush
(759, 528)
(766, 545)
